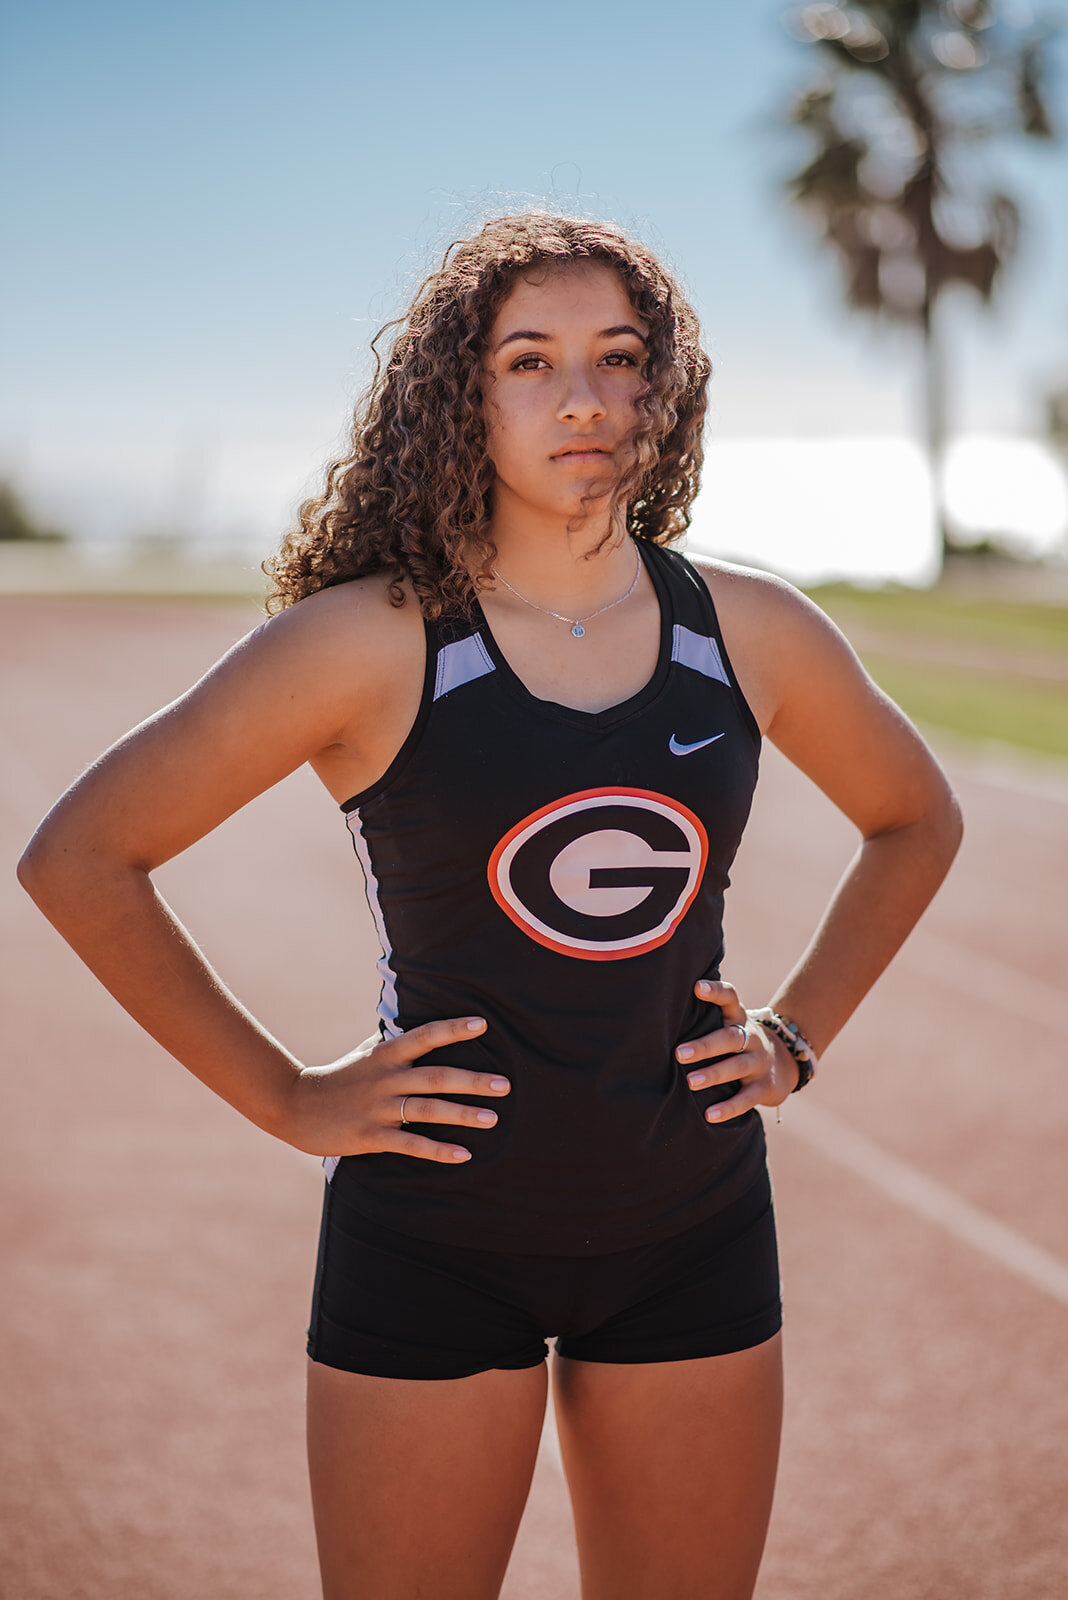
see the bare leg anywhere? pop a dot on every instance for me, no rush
(672, 1469)
(418, 1487)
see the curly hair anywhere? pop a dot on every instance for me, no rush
(413, 495)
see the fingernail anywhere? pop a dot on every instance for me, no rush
(461, 1155)
(684, 1052)
(704, 986)
(695, 1080)
(474, 1024)
(712, 1115)
(487, 1116)
(499, 1083)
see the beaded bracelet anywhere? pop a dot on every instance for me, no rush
(793, 1039)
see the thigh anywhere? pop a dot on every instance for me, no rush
(671, 1467)
(418, 1485)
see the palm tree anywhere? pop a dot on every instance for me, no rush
(912, 91)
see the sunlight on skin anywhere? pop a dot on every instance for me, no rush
(562, 375)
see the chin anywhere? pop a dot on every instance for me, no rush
(590, 495)
(579, 515)
(585, 498)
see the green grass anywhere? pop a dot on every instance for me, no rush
(944, 613)
(1013, 711)
(1009, 702)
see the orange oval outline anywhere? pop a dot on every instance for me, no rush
(571, 799)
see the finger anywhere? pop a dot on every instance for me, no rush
(731, 1039)
(726, 1110)
(724, 995)
(442, 1079)
(417, 1109)
(733, 1043)
(733, 1069)
(432, 1035)
(413, 1144)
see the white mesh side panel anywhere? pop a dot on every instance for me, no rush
(461, 662)
(387, 1003)
(699, 652)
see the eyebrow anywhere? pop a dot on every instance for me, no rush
(531, 335)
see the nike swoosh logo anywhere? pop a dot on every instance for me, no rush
(678, 749)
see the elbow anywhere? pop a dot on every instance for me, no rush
(951, 819)
(40, 864)
(934, 822)
(52, 867)
(945, 825)
(24, 869)
(938, 813)
(957, 821)
(67, 864)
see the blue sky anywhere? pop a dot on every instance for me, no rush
(212, 207)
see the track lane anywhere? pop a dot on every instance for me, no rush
(921, 1453)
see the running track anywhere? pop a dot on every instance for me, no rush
(160, 1250)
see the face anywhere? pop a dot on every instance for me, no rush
(563, 370)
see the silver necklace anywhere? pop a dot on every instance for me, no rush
(577, 630)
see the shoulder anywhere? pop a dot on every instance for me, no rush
(353, 615)
(750, 597)
(815, 701)
(318, 664)
(771, 630)
(348, 630)
(283, 693)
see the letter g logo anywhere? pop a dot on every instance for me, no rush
(601, 875)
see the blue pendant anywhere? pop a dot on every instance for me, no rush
(578, 631)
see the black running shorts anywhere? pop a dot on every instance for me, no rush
(393, 1306)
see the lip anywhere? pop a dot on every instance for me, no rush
(581, 452)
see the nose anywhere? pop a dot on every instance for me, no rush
(579, 398)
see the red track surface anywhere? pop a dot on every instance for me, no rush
(160, 1250)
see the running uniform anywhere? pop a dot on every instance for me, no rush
(560, 873)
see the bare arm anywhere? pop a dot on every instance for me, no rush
(281, 696)
(834, 724)
(817, 704)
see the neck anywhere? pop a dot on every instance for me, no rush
(569, 567)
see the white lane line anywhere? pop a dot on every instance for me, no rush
(1001, 766)
(937, 960)
(929, 1199)
(1039, 785)
(977, 976)
(991, 983)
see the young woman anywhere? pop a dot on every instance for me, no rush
(542, 726)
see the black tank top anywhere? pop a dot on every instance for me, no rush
(561, 873)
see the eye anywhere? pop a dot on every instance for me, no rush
(528, 363)
(620, 358)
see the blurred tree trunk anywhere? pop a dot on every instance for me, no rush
(935, 435)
